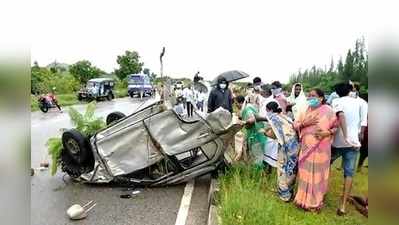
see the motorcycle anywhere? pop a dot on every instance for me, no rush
(45, 104)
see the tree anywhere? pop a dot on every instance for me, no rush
(349, 66)
(153, 76)
(332, 66)
(39, 79)
(128, 64)
(146, 71)
(84, 71)
(340, 67)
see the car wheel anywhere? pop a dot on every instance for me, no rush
(80, 97)
(114, 116)
(131, 94)
(74, 169)
(109, 96)
(76, 145)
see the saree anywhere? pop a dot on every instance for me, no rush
(314, 160)
(287, 156)
(255, 140)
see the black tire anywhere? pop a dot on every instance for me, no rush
(114, 116)
(74, 169)
(109, 96)
(131, 94)
(76, 145)
(80, 97)
(43, 107)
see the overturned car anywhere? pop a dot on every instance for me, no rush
(152, 147)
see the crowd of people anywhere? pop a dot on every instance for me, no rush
(187, 99)
(300, 135)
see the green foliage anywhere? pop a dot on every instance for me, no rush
(40, 78)
(84, 71)
(54, 146)
(153, 76)
(43, 80)
(249, 197)
(85, 123)
(34, 106)
(146, 71)
(355, 69)
(128, 64)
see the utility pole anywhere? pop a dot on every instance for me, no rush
(162, 82)
(160, 58)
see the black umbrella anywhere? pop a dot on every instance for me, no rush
(230, 76)
(199, 86)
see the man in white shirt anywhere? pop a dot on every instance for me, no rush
(188, 94)
(363, 110)
(200, 99)
(346, 141)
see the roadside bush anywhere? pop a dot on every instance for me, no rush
(85, 123)
(43, 80)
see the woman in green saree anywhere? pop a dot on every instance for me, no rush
(254, 137)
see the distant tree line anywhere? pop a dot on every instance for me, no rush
(69, 78)
(354, 68)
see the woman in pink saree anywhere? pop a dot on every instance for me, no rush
(316, 129)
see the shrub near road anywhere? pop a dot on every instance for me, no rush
(248, 197)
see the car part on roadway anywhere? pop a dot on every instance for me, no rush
(110, 96)
(77, 212)
(152, 147)
(114, 116)
(76, 145)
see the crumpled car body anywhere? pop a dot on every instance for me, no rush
(155, 147)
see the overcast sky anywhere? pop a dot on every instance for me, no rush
(270, 40)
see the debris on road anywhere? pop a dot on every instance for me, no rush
(136, 192)
(127, 196)
(44, 164)
(77, 212)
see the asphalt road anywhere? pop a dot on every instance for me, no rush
(52, 195)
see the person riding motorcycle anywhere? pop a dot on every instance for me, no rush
(50, 97)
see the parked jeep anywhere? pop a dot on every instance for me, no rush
(96, 89)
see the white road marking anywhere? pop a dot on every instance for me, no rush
(185, 203)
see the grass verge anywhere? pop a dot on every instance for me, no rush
(249, 197)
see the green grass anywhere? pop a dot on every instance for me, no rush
(248, 197)
(120, 93)
(33, 103)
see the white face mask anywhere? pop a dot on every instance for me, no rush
(222, 86)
